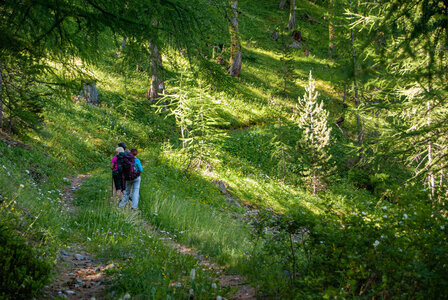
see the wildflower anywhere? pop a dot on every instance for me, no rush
(442, 227)
(405, 216)
(384, 207)
(27, 172)
(214, 286)
(192, 274)
(363, 213)
(376, 243)
(22, 186)
(383, 236)
(385, 216)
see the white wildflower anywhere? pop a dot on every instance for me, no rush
(376, 243)
(27, 172)
(384, 207)
(405, 216)
(214, 286)
(385, 216)
(192, 274)
(442, 227)
(22, 186)
(363, 213)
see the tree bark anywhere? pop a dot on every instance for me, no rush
(282, 4)
(331, 46)
(355, 87)
(235, 46)
(157, 83)
(292, 15)
(431, 177)
(1, 99)
(123, 43)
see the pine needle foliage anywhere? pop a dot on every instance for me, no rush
(313, 119)
(197, 119)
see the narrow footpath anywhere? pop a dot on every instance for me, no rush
(79, 276)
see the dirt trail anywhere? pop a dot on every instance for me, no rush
(78, 276)
(244, 290)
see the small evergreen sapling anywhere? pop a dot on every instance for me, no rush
(313, 119)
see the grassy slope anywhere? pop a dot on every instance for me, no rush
(189, 206)
(81, 137)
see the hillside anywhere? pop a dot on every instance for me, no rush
(227, 207)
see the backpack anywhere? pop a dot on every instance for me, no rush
(120, 158)
(129, 171)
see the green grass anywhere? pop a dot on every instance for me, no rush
(343, 221)
(123, 237)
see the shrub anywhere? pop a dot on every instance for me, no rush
(22, 273)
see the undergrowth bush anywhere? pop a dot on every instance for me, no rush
(22, 274)
(387, 252)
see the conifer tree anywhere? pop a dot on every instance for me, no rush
(235, 45)
(313, 119)
(286, 70)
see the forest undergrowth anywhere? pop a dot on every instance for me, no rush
(227, 173)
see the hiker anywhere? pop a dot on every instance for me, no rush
(117, 176)
(132, 168)
(123, 145)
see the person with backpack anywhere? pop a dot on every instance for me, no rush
(117, 175)
(132, 168)
(123, 145)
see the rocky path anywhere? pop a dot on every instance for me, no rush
(78, 276)
(234, 281)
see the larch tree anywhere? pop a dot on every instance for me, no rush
(282, 4)
(235, 45)
(313, 120)
(331, 34)
(157, 84)
(292, 15)
(414, 86)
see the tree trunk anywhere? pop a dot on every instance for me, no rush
(1, 94)
(331, 29)
(235, 46)
(355, 87)
(157, 84)
(282, 4)
(431, 177)
(292, 15)
(123, 43)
